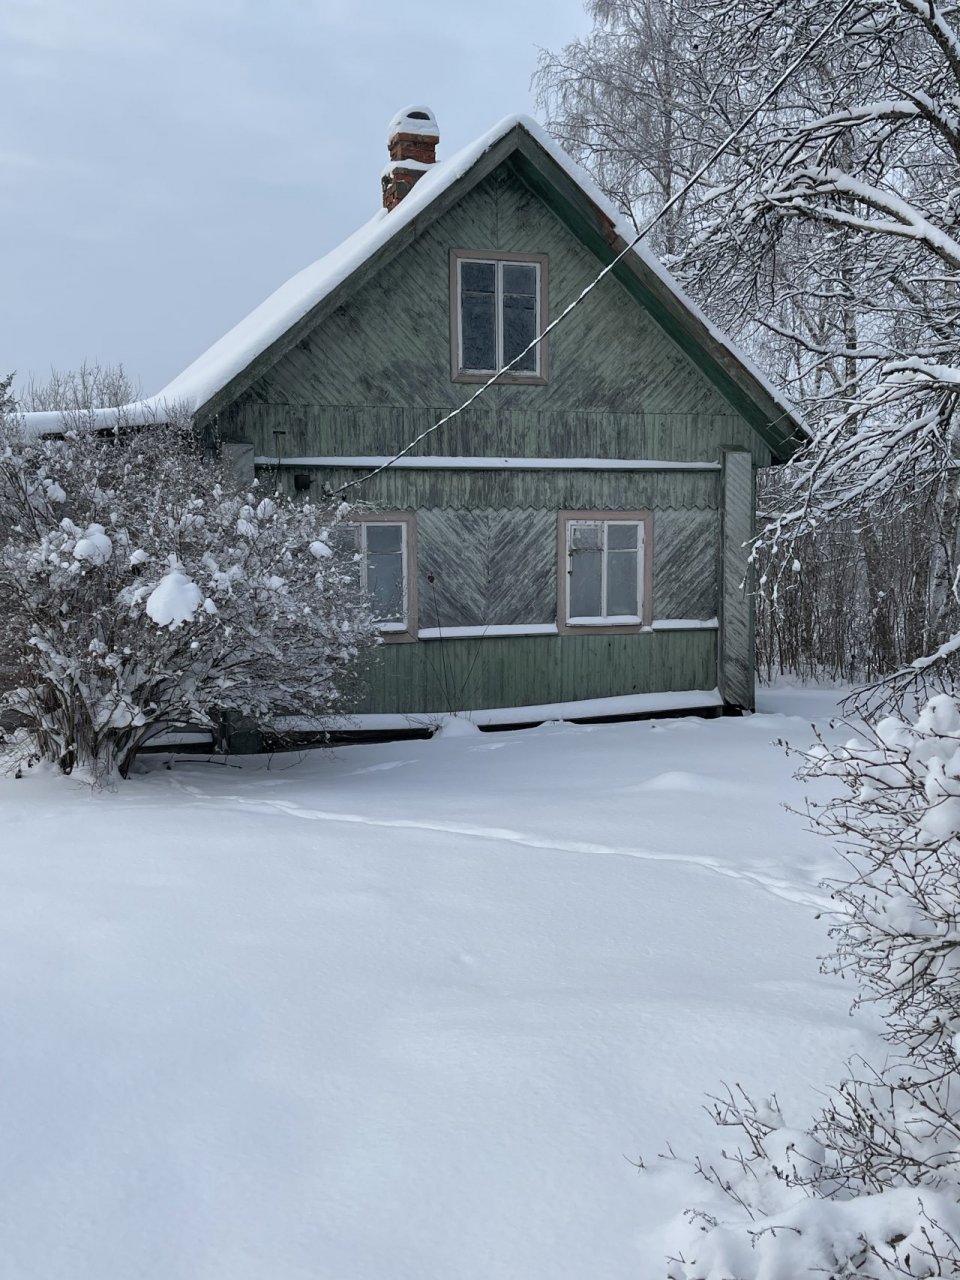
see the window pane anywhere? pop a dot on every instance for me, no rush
(586, 567)
(345, 537)
(622, 594)
(384, 537)
(478, 277)
(385, 586)
(478, 335)
(519, 330)
(585, 533)
(621, 536)
(520, 278)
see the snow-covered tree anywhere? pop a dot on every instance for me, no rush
(92, 386)
(826, 241)
(142, 593)
(624, 102)
(833, 234)
(872, 1189)
(7, 401)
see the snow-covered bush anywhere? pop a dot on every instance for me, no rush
(142, 592)
(872, 1189)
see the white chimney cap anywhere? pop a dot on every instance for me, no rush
(414, 120)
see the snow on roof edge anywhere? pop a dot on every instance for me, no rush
(206, 376)
(627, 233)
(138, 413)
(211, 372)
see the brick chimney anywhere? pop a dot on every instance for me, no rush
(412, 142)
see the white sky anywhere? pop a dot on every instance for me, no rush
(164, 166)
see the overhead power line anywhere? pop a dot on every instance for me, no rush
(628, 248)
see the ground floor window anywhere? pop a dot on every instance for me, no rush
(603, 562)
(385, 545)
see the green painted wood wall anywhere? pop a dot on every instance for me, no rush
(339, 391)
(445, 675)
(375, 372)
(736, 656)
(488, 539)
(408, 489)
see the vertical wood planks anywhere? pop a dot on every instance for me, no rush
(445, 675)
(736, 658)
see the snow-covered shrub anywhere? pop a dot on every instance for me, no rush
(141, 592)
(873, 1188)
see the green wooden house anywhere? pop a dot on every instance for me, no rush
(577, 535)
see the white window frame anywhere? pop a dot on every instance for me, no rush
(610, 623)
(406, 628)
(537, 375)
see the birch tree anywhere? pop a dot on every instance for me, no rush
(625, 102)
(827, 242)
(843, 202)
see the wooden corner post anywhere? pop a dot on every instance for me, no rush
(737, 640)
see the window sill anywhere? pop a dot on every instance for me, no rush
(627, 624)
(396, 633)
(615, 620)
(505, 380)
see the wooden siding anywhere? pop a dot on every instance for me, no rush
(346, 431)
(445, 675)
(488, 539)
(487, 567)
(737, 651)
(572, 204)
(377, 371)
(402, 490)
(686, 551)
(493, 567)
(371, 375)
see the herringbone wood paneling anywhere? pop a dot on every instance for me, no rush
(492, 567)
(452, 551)
(388, 348)
(489, 567)
(686, 547)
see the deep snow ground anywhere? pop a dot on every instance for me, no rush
(406, 1012)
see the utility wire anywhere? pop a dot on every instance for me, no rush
(642, 234)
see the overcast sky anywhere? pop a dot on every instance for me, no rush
(164, 166)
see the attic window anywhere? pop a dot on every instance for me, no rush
(498, 305)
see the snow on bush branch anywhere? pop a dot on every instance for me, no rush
(873, 1188)
(143, 593)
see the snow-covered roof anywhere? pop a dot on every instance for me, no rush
(139, 413)
(201, 380)
(211, 372)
